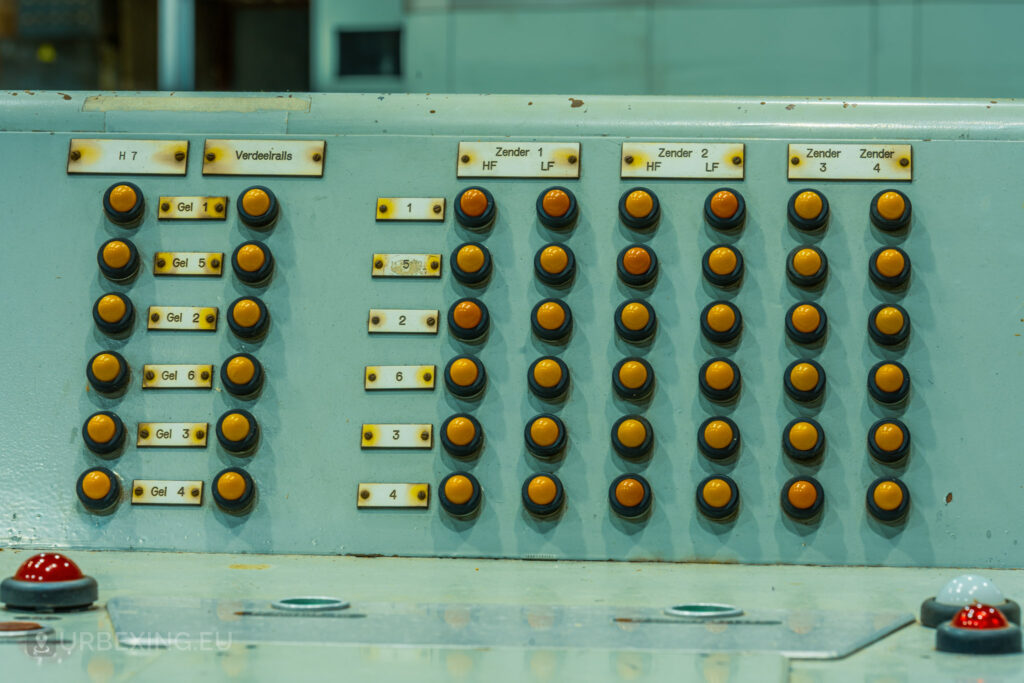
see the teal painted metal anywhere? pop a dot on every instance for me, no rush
(963, 302)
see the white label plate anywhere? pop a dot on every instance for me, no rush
(402, 321)
(264, 157)
(128, 157)
(827, 161)
(410, 208)
(166, 492)
(202, 263)
(391, 377)
(191, 318)
(192, 208)
(172, 434)
(397, 436)
(177, 376)
(399, 495)
(509, 159)
(406, 265)
(719, 160)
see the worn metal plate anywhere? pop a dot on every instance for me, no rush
(167, 492)
(674, 159)
(406, 265)
(172, 435)
(202, 263)
(128, 157)
(390, 377)
(192, 208)
(410, 209)
(187, 318)
(394, 435)
(801, 634)
(829, 161)
(264, 157)
(395, 495)
(177, 376)
(517, 159)
(402, 321)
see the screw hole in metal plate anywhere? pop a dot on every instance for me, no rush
(310, 603)
(704, 610)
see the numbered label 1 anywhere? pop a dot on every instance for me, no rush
(824, 161)
(192, 208)
(406, 265)
(402, 321)
(399, 495)
(410, 208)
(166, 492)
(202, 263)
(392, 377)
(420, 436)
(177, 376)
(172, 435)
(189, 318)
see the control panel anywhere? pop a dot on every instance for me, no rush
(601, 328)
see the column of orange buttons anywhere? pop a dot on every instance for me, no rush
(888, 439)
(803, 439)
(718, 437)
(465, 377)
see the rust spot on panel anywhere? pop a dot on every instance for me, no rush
(575, 102)
(64, 95)
(790, 107)
(949, 498)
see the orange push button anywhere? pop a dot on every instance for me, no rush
(555, 265)
(719, 380)
(248, 318)
(96, 485)
(231, 486)
(548, 378)
(639, 208)
(113, 314)
(256, 201)
(890, 210)
(803, 439)
(551, 320)
(889, 267)
(718, 497)
(633, 379)
(545, 435)
(98, 489)
(630, 496)
(725, 209)
(474, 208)
(465, 377)
(721, 322)
(468, 320)
(723, 265)
(808, 210)
(107, 372)
(103, 433)
(888, 382)
(638, 265)
(802, 498)
(123, 204)
(543, 494)
(635, 321)
(461, 435)
(238, 432)
(804, 380)
(806, 323)
(253, 263)
(889, 324)
(807, 266)
(471, 264)
(460, 494)
(718, 438)
(234, 491)
(889, 440)
(242, 375)
(888, 500)
(118, 260)
(257, 207)
(632, 437)
(557, 208)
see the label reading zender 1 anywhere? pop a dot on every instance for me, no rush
(518, 160)
(826, 161)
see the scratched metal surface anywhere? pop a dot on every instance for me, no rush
(963, 354)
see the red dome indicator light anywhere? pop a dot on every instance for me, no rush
(978, 630)
(48, 582)
(979, 616)
(46, 567)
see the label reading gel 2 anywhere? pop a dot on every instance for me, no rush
(188, 318)
(826, 161)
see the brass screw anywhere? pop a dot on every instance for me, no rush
(195, 493)
(434, 265)
(431, 321)
(75, 155)
(736, 161)
(375, 320)
(427, 377)
(160, 263)
(904, 162)
(367, 436)
(210, 156)
(200, 434)
(383, 208)
(204, 375)
(795, 161)
(179, 156)
(437, 208)
(628, 160)
(165, 207)
(144, 433)
(572, 159)
(154, 317)
(317, 156)
(138, 490)
(372, 377)
(364, 494)
(210, 318)
(215, 263)
(424, 436)
(465, 158)
(378, 264)
(219, 207)
(150, 374)
(421, 494)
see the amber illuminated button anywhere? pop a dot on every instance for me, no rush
(808, 209)
(234, 490)
(889, 267)
(804, 380)
(806, 323)
(719, 380)
(543, 494)
(639, 208)
(468, 320)
(889, 324)
(718, 438)
(465, 377)
(889, 440)
(462, 435)
(630, 496)
(545, 435)
(633, 379)
(551, 320)
(123, 204)
(471, 264)
(723, 265)
(113, 314)
(557, 207)
(721, 322)
(555, 265)
(548, 378)
(802, 498)
(118, 260)
(806, 266)
(890, 210)
(718, 497)
(248, 318)
(632, 437)
(803, 439)
(103, 433)
(635, 321)
(238, 432)
(725, 209)
(108, 373)
(242, 375)
(638, 266)
(460, 494)
(253, 263)
(474, 208)
(98, 489)
(257, 207)
(888, 382)
(888, 499)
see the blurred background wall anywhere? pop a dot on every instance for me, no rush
(928, 48)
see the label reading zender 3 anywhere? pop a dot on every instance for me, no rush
(826, 161)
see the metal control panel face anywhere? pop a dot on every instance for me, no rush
(345, 447)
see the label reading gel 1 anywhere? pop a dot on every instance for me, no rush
(264, 157)
(172, 435)
(177, 376)
(188, 318)
(166, 492)
(721, 160)
(826, 161)
(192, 208)
(203, 263)
(398, 495)
(390, 377)
(402, 321)
(128, 157)
(519, 160)
(410, 208)
(406, 265)
(397, 436)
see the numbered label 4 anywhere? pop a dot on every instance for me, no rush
(397, 495)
